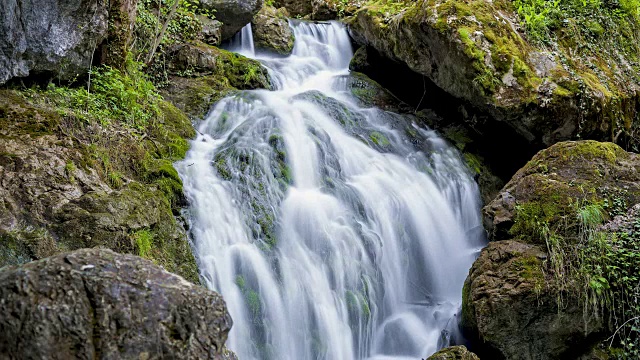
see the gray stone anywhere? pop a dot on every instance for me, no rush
(53, 37)
(234, 14)
(94, 303)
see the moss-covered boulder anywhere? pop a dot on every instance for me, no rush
(514, 310)
(95, 301)
(559, 180)
(564, 84)
(554, 281)
(203, 74)
(454, 353)
(271, 30)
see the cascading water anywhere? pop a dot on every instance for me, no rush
(333, 231)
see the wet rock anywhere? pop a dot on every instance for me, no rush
(234, 14)
(271, 30)
(370, 94)
(54, 38)
(94, 302)
(454, 353)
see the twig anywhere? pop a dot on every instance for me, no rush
(612, 337)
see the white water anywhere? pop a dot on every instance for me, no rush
(332, 231)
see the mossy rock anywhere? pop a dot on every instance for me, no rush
(203, 74)
(271, 30)
(474, 51)
(556, 182)
(512, 308)
(459, 352)
(90, 182)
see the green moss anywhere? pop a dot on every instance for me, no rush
(379, 139)
(144, 241)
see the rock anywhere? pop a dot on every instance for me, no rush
(122, 19)
(94, 302)
(271, 30)
(557, 178)
(56, 194)
(211, 31)
(54, 38)
(454, 353)
(524, 297)
(360, 62)
(204, 74)
(234, 14)
(319, 9)
(370, 94)
(476, 53)
(297, 8)
(512, 307)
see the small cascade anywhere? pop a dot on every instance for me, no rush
(333, 230)
(242, 42)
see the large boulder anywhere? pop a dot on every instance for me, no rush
(531, 294)
(513, 310)
(234, 14)
(546, 91)
(56, 38)
(96, 303)
(271, 30)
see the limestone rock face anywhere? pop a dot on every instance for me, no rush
(271, 30)
(234, 14)
(52, 37)
(454, 353)
(96, 302)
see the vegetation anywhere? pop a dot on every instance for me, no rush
(597, 266)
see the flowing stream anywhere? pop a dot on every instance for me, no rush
(334, 230)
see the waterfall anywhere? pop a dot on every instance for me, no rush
(242, 42)
(332, 229)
